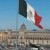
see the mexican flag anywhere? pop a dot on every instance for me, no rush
(29, 13)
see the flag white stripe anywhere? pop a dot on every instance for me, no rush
(30, 13)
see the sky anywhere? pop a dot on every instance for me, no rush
(9, 13)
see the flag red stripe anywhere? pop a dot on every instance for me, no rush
(38, 20)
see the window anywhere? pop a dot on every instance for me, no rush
(20, 37)
(42, 42)
(47, 41)
(38, 42)
(26, 40)
(40, 38)
(33, 40)
(33, 37)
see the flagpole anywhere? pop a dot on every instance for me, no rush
(17, 26)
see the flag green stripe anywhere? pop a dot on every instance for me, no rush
(23, 8)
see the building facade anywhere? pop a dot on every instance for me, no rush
(41, 37)
(36, 37)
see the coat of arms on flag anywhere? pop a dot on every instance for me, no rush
(28, 12)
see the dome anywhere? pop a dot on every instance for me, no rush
(23, 27)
